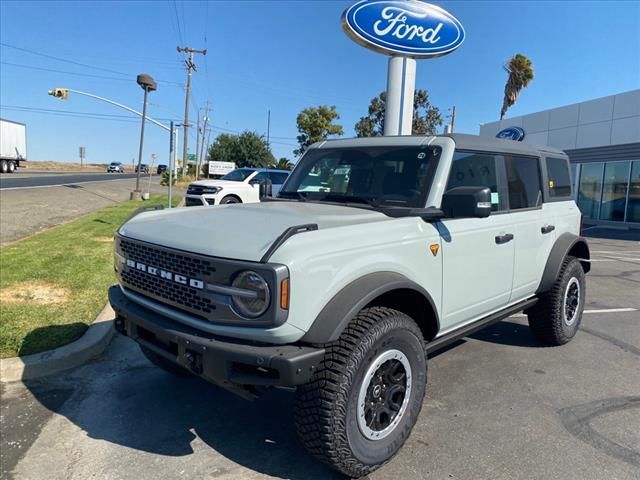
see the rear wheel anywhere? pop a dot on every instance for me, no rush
(11, 166)
(163, 363)
(555, 319)
(4, 166)
(229, 199)
(365, 397)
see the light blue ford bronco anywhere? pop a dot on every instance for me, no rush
(376, 252)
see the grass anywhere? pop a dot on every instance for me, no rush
(54, 284)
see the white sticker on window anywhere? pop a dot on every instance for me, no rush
(495, 198)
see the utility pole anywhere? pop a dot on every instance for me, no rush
(453, 118)
(197, 145)
(203, 151)
(268, 126)
(190, 68)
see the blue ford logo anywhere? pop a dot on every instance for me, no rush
(409, 28)
(511, 133)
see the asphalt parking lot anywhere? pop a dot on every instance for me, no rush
(498, 406)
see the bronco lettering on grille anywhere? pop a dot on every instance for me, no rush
(165, 274)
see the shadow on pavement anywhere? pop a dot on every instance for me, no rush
(508, 333)
(144, 408)
(612, 233)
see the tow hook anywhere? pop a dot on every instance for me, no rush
(193, 361)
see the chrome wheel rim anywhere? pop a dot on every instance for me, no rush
(384, 394)
(571, 301)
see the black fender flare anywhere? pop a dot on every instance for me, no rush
(355, 296)
(564, 244)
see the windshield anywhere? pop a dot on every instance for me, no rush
(378, 176)
(238, 175)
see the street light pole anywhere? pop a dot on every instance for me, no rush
(148, 84)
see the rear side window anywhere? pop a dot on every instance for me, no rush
(524, 184)
(471, 169)
(559, 177)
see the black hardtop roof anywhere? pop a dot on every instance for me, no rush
(463, 141)
(475, 142)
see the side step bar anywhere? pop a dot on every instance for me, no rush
(472, 328)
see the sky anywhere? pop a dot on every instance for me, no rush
(282, 56)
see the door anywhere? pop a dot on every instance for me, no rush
(533, 221)
(478, 253)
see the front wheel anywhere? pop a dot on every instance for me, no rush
(362, 403)
(230, 199)
(555, 319)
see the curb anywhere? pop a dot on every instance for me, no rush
(90, 345)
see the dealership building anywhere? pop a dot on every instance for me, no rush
(602, 139)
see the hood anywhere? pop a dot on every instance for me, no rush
(216, 183)
(239, 231)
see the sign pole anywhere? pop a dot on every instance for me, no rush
(401, 85)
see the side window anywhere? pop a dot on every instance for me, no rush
(559, 178)
(470, 169)
(277, 178)
(260, 177)
(524, 184)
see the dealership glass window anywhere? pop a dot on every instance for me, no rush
(590, 188)
(633, 207)
(524, 184)
(614, 191)
(559, 179)
(476, 170)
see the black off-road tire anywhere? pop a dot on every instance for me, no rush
(326, 409)
(230, 199)
(552, 320)
(166, 365)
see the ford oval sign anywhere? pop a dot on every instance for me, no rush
(409, 28)
(511, 133)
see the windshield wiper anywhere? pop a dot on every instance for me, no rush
(300, 195)
(371, 201)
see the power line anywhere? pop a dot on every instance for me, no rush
(128, 79)
(175, 9)
(62, 59)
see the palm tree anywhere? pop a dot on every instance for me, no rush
(520, 72)
(284, 164)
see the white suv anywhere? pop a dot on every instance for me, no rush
(238, 186)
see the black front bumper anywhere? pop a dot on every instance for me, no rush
(231, 364)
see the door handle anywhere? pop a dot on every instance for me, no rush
(548, 228)
(507, 237)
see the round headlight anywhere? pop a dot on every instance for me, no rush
(255, 300)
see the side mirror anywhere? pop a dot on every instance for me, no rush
(462, 202)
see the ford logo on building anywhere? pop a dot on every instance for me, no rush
(511, 133)
(408, 28)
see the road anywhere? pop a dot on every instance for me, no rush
(28, 210)
(39, 180)
(498, 407)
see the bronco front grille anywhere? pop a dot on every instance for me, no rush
(182, 296)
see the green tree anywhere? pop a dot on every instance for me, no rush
(316, 124)
(246, 150)
(520, 70)
(284, 164)
(223, 149)
(426, 117)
